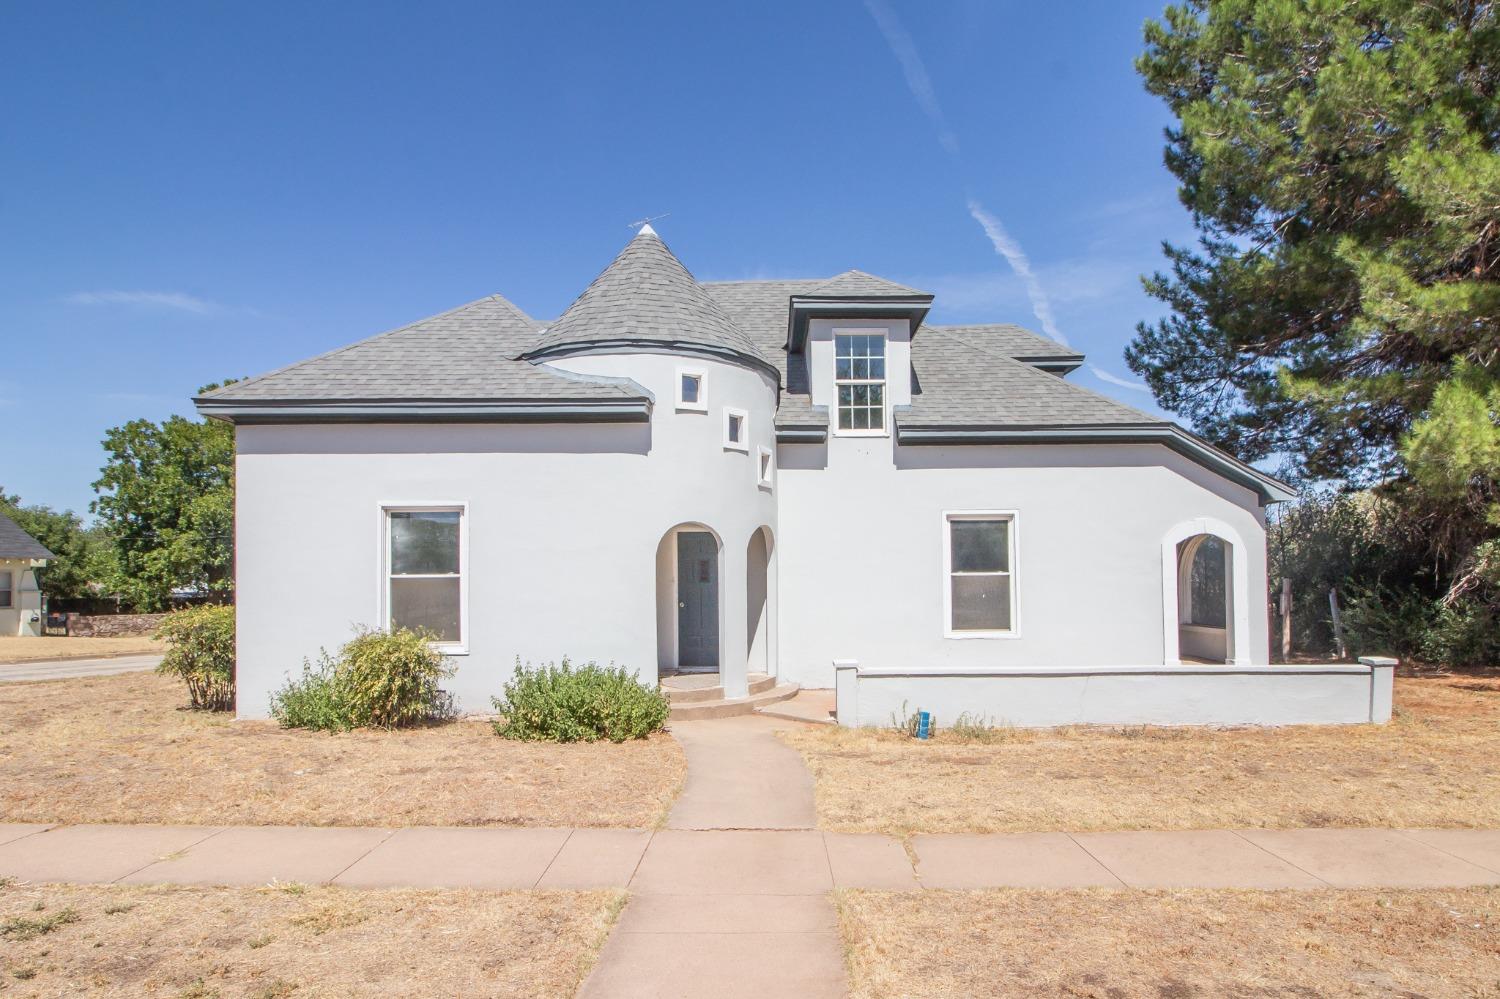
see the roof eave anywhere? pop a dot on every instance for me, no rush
(258, 412)
(1269, 488)
(801, 308)
(637, 344)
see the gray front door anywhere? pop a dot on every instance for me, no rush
(697, 602)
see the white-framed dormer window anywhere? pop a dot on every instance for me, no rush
(736, 429)
(692, 389)
(425, 585)
(979, 574)
(859, 381)
(765, 467)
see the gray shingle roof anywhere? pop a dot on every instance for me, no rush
(16, 543)
(646, 294)
(963, 381)
(1010, 339)
(858, 284)
(465, 353)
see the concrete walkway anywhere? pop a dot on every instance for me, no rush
(746, 862)
(732, 897)
(63, 669)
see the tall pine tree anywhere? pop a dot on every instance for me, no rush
(1341, 309)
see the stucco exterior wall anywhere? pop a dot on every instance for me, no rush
(862, 542)
(26, 600)
(563, 527)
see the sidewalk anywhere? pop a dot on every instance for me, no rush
(61, 669)
(746, 861)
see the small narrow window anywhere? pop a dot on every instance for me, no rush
(764, 468)
(736, 429)
(981, 596)
(7, 589)
(425, 572)
(692, 390)
(859, 380)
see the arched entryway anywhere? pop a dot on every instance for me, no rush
(1205, 590)
(689, 600)
(760, 602)
(1204, 593)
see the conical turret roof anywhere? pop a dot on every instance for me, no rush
(646, 296)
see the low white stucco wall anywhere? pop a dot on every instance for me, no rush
(1121, 695)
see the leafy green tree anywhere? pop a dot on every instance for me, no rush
(1342, 307)
(166, 496)
(84, 557)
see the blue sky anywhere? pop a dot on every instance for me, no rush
(190, 192)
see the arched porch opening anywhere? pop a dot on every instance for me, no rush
(1205, 591)
(760, 602)
(1204, 598)
(689, 600)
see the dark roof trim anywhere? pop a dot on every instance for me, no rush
(642, 345)
(426, 411)
(1058, 365)
(1269, 488)
(801, 435)
(801, 308)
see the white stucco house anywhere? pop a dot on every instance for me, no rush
(801, 479)
(21, 556)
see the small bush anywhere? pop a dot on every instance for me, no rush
(311, 701)
(563, 703)
(200, 653)
(378, 679)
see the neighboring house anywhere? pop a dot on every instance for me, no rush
(20, 597)
(756, 477)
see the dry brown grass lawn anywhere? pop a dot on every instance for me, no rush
(27, 650)
(1434, 765)
(122, 749)
(1172, 945)
(265, 943)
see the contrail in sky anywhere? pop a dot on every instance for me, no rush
(1105, 376)
(920, 85)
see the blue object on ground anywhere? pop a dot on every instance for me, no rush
(924, 724)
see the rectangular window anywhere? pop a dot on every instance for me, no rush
(765, 468)
(980, 562)
(425, 572)
(859, 380)
(7, 589)
(692, 390)
(736, 429)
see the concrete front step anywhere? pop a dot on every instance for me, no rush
(721, 708)
(697, 687)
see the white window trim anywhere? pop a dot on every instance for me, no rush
(949, 516)
(9, 591)
(701, 406)
(743, 444)
(383, 560)
(765, 457)
(884, 383)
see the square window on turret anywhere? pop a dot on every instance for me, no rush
(692, 390)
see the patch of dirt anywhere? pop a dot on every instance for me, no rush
(223, 942)
(119, 749)
(1182, 944)
(1434, 765)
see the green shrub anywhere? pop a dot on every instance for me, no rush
(563, 703)
(200, 653)
(379, 679)
(311, 701)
